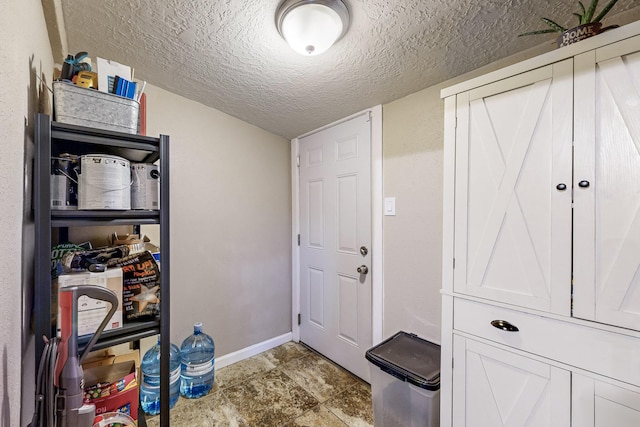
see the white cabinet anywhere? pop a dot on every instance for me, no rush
(512, 227)
(494, 387)
(497, 387)
(542, 233)
(598, 402)
(607, 213)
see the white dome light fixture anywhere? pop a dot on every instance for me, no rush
(312, 26)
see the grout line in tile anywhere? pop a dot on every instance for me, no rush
(257, 375)
(301, 384)
(319, 405)
(350, 390)
(230, 403)
(332, 362)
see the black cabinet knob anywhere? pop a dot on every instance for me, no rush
(504, 325)
(561, 187)
(583, 184)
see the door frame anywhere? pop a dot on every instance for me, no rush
(377, 285)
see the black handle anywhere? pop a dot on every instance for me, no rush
(561, 187)
(583, 184)
(504, 325)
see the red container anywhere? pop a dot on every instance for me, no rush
(112, 388)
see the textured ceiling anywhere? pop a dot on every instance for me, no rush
(229, 55)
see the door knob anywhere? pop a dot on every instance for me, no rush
(561, 187)
(583, 184)
(364, 251)
(363, 269)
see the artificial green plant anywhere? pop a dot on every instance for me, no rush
(586, 17)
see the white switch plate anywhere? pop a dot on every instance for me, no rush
(389, 206)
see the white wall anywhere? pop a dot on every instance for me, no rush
(230, 223)
(25, 54)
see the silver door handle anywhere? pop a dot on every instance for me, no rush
(363, 269)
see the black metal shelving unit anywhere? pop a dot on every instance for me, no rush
(52, 139)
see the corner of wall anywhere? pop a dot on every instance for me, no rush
(55, 27)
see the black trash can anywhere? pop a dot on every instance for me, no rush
(405, 382)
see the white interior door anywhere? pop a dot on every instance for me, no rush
(513, 190)
(335, 240)
(607, 185)
(494, 387)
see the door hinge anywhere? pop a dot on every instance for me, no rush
(299, 319)
(454, 263)
(298, 240)
(452, 363)
(298, 161)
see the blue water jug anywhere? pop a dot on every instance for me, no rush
(198, 363)
(150, 384)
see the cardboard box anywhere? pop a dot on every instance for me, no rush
(110, 357)
(112, 388)
(91, 311)
(135, 243)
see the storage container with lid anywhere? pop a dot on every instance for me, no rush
(405, 382)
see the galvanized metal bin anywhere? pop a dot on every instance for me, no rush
(88, 107)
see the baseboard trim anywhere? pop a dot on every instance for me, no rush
(245, 353)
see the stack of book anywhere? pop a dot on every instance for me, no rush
(123, 87)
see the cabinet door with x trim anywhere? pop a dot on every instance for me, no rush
(513, 190)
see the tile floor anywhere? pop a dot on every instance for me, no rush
(289, 385)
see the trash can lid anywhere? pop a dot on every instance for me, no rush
(409, 358)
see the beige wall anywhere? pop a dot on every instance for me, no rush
(230, 194)
(25, 54)
(231, 204)
(413, 143)
(413, 165)
(230, 223)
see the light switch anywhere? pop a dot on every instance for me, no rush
(390, 206)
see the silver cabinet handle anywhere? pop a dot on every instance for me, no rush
(504, 325)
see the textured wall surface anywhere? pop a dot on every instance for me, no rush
(25, 55)
(230, 224)
(412, 156)
(413, 170)
(413, 167)
(229, 55)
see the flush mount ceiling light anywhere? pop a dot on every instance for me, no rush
(312, 26)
